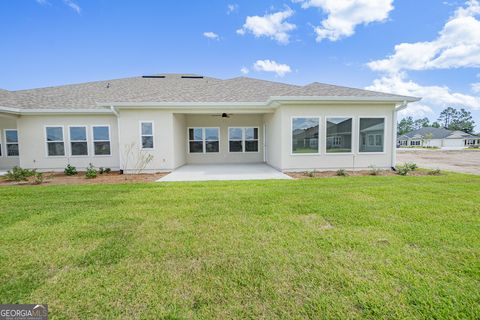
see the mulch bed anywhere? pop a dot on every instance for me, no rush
(57, 178)
(359, 173)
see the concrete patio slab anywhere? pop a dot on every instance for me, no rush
(207, 172)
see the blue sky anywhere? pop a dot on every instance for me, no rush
(55, 42)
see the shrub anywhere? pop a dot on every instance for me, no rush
(91, 172)
(103, 170)
(70, 170)
(38, 178)
(404, 169)
(435, 172)
(108, 170)
(412, 166)
(342, 173)
(310, 174)
(19, 174)
(374, 171)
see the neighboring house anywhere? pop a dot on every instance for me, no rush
(438, 137)
(189, 119)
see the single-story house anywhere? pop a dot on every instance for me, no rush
(439, 138)
(162, 122)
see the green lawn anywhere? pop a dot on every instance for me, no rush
(355, 247)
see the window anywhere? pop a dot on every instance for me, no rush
(11, 142)
(147, 135)
(415, 142)
(339, 135)
(78, 141)
(305, 135)
(243, 139)
(55, 144)
(372, 132)
(101, 140)
(203, 140)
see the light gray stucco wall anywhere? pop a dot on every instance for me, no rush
(274, 146)
(179, 140)
(6, 162)
(33, 149)
(325, 161)
(224, 156)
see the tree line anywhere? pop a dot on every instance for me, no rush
(450, 118)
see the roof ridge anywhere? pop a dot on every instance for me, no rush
(263, 80)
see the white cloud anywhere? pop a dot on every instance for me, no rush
(432, 96)
(211, 35)
(272, 66)
(75, 7)
(244, 70)
(271, 25)
(344, 15)
(457, 45)
(476, 87)
(231, 8)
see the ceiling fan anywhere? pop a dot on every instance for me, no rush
(222, 115)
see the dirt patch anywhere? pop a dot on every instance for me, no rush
(56, 178)
(359, 173)
(465, 161)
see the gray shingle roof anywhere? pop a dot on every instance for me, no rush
(172, 88)
(437, 133)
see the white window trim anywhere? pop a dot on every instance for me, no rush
(109, 137)
(351, 142)
(291, 136)
(7, 143)
(244, 139)
(46, 141)
(204, 140)
(70, 141)
(147, 135)
(385, 127)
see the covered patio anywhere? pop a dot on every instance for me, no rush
(208, 172)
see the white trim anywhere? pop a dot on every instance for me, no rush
(109, 141)
(291, 136)
(141, 122)
(7, 143)
(204, 140)
(351, 137)
(243, 140)
(70, 140)
(63, 141)
(384, 134)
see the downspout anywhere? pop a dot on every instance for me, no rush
(394, 133)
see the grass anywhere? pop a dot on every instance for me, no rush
(355, 247)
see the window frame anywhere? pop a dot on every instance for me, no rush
(243, 140)
(291, 136)
(385, 130)
(141, 122)
(70, 141)
(63, 141)
(352, 142)
(204, 140)
(7, 143)
(109, 141)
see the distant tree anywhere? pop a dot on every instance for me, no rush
(435, 124)
(426, 139)
(405, 125)
(446, 116)
(462, 121)
(421, 123)
(454, 119)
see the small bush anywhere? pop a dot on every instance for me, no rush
(435, 172)
(374, 171)
(38, 178)
(108, 170)
(103, 170)
(412, 166)
(310, 174)
(70, 170)
(19, 174)
(404, 169)
(91, 172)
(342, 173)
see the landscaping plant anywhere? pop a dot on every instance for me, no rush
(374, 171)
(19, 174)
(70, 170)
(91, 172)
(342, 173)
